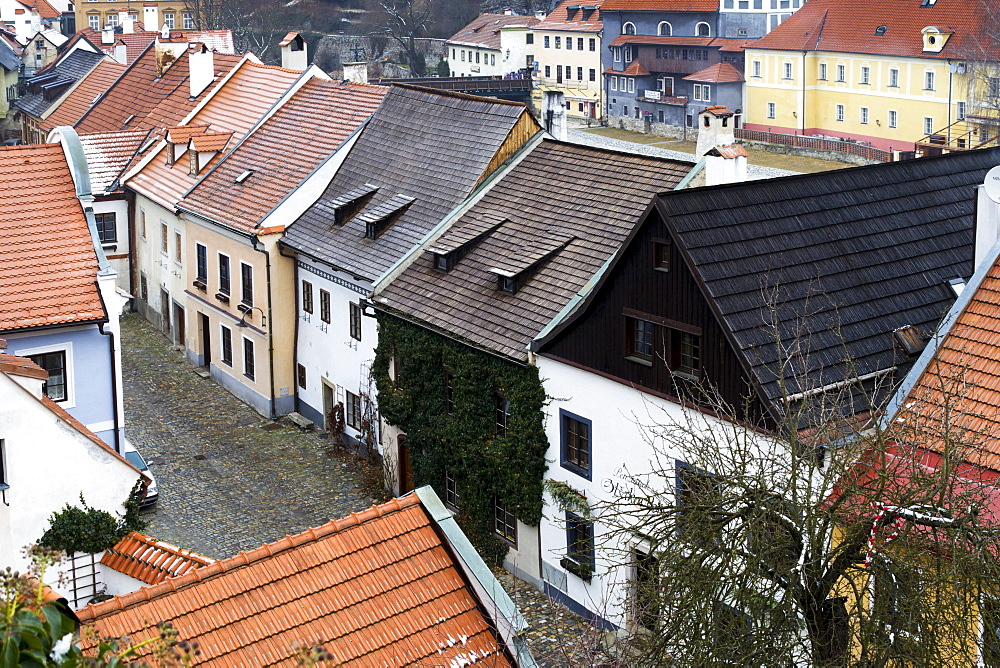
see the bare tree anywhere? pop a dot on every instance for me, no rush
(404, 21)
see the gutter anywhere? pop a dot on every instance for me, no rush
(295, 334)
(114, 371)
(270, 327)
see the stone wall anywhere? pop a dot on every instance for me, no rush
(385, 55)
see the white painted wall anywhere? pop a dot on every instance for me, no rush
(510, 57)
(117, 253)
(161, 269)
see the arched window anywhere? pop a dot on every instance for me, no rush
(703, 30)
(665, 29)
(628, 29)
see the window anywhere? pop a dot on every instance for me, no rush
(112, 21)
(529, 38)
(822, 72)
(631, 87)
(928, 125)
(593, 44)
(224, 282)
(788, 71)
(574, 435)
(451, 495)
(593, 74)
(685, 353)
(107, 230)
(164, 235)
(864, 115)
(993, 86)
(579, 44)
(477, 57)
(504, 523)
(569, 43)
(614, 82)
(990, 613)
(665, 29)
(616, 51)
(771, 110)
(300, 375)
(627, 54)
(646, 595)
(493, 59)
(449, 391)
(771, 536)
(188, 21)
(248, 360)
(558, 42)
(628, 29)
(579, 545)
(246, 284)
(324, 306)
(755, 68)
(142, 223)
(201, 254)
(625, 110)
(463, 55)
(928, 81)
(307, 296)
(893, 119)
(640, 339)
(352, 409)
(731, 628)
(703, 30)
(355, 321)
(168, 20)
(702, 92)
(546, 41)
(178, 247)
(667, 86)
(841, 73)
(143, 288)
(697, 496)
(548, 72)
(893, 78)
(55, 363)
(501, 414)
(579, 74)
(960, 110)
(840, 112)
(95, 22)
(866, 74)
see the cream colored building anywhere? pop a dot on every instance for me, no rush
(568, 56)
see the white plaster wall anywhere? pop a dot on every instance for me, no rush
(469, 67)
(118, 584)
(117, 253)
(161, 270)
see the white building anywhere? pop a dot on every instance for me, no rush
(492, 45)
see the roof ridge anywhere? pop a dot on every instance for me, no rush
(457, 94)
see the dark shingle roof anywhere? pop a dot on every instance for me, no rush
(9, 59)
(838, 260)
(554, 218)
(431, 145)
(73, 67)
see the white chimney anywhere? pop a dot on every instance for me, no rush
(107, 36)
(122, 17)
(987, 215)
(356, 72)
(201, 63)
(554, 114)
(121, 53)
(151, 16)
(293, 52)
(128, 24)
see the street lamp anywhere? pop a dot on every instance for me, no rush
(248, 310)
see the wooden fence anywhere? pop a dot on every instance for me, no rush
(815, 143)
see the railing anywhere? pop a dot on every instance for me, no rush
(490, 84)
(815, 143)
(970, 132)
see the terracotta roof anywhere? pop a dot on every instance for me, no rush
(561, 18)
(183, 133)
(718, 73)
(634, 69)
(151, 561)
(50, 267)
(377, 588)
(287, 39)
(847, 27)
(662, 40)
(283, 152)
(211, 141)
(235, 107)
(220, 41)
(46, 10)
(110, 154)
(80, 99)
(484, 30)
(660, 5)
(21, 366)
(731, 151)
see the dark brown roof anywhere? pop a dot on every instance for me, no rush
(427, 144)
(554, 219)
(484, 30)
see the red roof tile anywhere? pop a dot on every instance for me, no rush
(634, 69)
(661, 5)
(220, 41)
(283, 152)
(110, 154)
(80, 99)
(21, 366)
(50, 267)
(151, 561)
(731, 151)
(718, 73)
(211, 141)
(484, 30)
(46, 10)
(847, 27)
(377, 588)
(562, 19)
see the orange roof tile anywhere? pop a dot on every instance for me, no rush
(731, 151)
(561, 18)
(661, 5)
(49, 273)
(211, 141)
(21, 366)
(847, 27)
(110, 154)
(484, 30)
(46, 10)
(220, 41)
(182, 133)
(80, 99)
(634, 69)
(151, 561)
(718, 73)
(283, 152)
(235, 107)
(377, 588)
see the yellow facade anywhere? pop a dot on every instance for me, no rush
(890, 102)
(582, 87)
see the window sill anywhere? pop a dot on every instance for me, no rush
(506, 541)
(227, 363)
(582, 571)
(683, 375)
(110, 245)
(576, 469)
(248, 376)
(639, 360)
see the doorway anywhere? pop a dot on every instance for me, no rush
(165, 311)
(179, 325)
(329, 401)
(205, 331)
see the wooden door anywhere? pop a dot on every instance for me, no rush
(206, 339)
(179, 325)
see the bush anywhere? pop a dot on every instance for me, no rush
(90, 530)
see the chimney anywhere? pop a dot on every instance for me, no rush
(201, 64)
(122, 17)
(121, 53)
(107, 36)
(151, 16)
(293, 52)
(128, 24)
(987, 215)
(356, 72)
(554, 114)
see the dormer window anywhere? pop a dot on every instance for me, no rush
(347, 205)
(935, 38)
(507, 284)
(444, 262)
(381, 217)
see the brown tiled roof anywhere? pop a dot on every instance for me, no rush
(110, 154)
(848, 27)
(235, 107)
(283, 152)
(151, 561)
(220, 41)
(49, 273)
(484, 30)
(377, 588)
(565, 209)
(46, 10)
(718, 73)
(21, 366)
(80, 99)
(661, 5)
(211, 141)
(634, 69)
(562, 19)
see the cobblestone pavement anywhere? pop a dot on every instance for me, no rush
(228, 481)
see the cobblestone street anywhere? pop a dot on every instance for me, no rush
(230, 480)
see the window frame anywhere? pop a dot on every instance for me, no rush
(504, 523)
(823, 73)
(866, 75)
(567, 421)
(452, 497)
(501, 415)
(580, 543)
(839, 112)
(684, 490)
(635, 349)
(246, 284)
(324, 305)
(307, 296)
(164, 239)
(102, 219)
(864, 116)
(225, 345)
(893, 77)
(63, 352)
(786, 71)
(352, 410)
(201, 263)
(178, 248)
(893, 121)
(249, 359)
(841, 73)
(225, 274)
(772, 110)
(354, 317)
(300, 376)
(929, 80)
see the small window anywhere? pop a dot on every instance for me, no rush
(142, 222)
(143, 288)
(665, 29)
(893, 119)
(788, 70)
(224, 280)
(771, 110)
(661, 255)
(300, 375)
(894, 78)
(4, 482)
(841, 73)
(627, 29)
(579, 74)
(188, 21)
(580, 541)
(164, 236)
(249, 366)
(756, 68)
(501, 414)
(579, 44)
(352, 409)
(866, 74)
(107, 228)
(593, 44)
(960, 110)
(168, 20)
(226, 339)
(703, 30)
(94, 21)
(504, 523)
(545, 41)
(822, 72)
(569, 43)
(864, 115)
(246, 283)
(529, 38)
(201, 253)
(307, 296)
(928, 80)
(55, 363)
(593, 74)
(575, 438)
(507, 284)
(324, 306)
(686, 353)
(646, 594)
(355, 320)
(840, 112)
(897, 604)
(449, 391)
(178, 247)
(452, 498)
(558, 42)
(639, 341)
(697, 496)
(928, 125)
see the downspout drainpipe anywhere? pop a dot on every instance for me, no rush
(295, 335)
(802, 120)
(114, 373)
(270, 320)
(951, 74)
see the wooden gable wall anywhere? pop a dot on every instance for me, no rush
(524, 129)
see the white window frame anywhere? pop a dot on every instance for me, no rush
(668, 33)
(697, 29)
(631, 85)
(893, 77)
(755, 68)
(617, 53)
(839, 113)
(864, 115)
(841, 73)
(929, 80)
(929, 125)
(772, 110)
(67, 349)
(168, 20)
(893, 118)
(94, 21)
(960, 110)
(613, 82)
(222, 346)
(787, 73)
(866, 74)
(625, 27)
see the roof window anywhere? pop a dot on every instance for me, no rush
(347, 205)
(908, 338)
(381, 216)
(528, 252)
(244, 176)
(451, 248)
(881, 30)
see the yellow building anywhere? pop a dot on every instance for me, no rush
(898, 75)
(98, 14)
(568, 53)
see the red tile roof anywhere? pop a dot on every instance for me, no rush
(562, 19)
(110, 154)
(46, 10)
(661, 5)
(21, 366)
(283, 152)
(731, 151)
(80, 99)
(151, 561)
(211, 141)
(634, 69)
(377, 588)
(220, 41)
(847, 27)
(484, 30)
(50, 267)
(718, 73)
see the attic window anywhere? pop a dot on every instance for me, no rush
(381, 217)
(244, 176)
(908, 338)
(507, 284)
(444, 262)
(128, 120)
(346, 205)
(881, 30)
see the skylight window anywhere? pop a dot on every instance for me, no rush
(881, 30)
(244, 176)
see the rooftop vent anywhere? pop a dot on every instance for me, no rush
(881, 30)
(927, 3)
(244, 176)
(908, 338)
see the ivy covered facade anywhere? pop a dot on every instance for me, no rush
(472, 419)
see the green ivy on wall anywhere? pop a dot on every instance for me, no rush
(464, 442)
